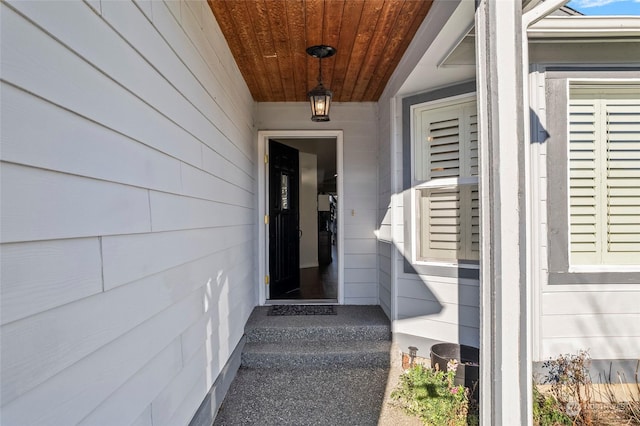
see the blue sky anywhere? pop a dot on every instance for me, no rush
(606, 7)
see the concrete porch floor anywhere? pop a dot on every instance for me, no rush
(309, 392)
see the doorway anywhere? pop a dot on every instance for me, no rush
(302, 254)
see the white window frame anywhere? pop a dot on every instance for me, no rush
(417, 185)
(605, 84)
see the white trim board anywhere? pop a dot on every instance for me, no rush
(263, 137)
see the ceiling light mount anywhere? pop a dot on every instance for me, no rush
(320, 96)
(321, 51)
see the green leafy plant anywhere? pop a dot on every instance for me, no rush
(547, 411)
(432, 396)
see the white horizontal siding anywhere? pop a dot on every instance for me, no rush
(603, 321)
(602, 318)
(41, 275)
(122, 407)
(432, 331)
(591, 302)
(610, 347)
(130, 257)
(128, 192)
(41, 205)
(171, 212)
(53, 138)
(593, 325)
(67, 398)
(79, 84)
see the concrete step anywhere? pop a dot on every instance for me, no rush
(313, 354)
(352, 323)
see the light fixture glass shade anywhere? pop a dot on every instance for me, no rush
(320, 100)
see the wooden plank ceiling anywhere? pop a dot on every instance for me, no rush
(268, 39)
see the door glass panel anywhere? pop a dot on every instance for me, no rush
(284, 192)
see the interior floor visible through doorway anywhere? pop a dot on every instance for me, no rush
(319, 282)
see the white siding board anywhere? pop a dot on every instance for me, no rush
(174, 8)
(180, 42)
(144, 419)
(121, 407)
(592, 325)
(385, 265)
(190, 404)
(200, 333)
(174, 392)
(361, 290)
(445, 292)
(69, 397)
(590, 302)
(146, 7)
(361, 300)
(368, 276)
(359, 185)
(225, 275)
(95, 5)
(384, 296)
(358, 261)
(159, 93)
(200, 88)
(200, 184)
(37, 347)
(226, 126)
(171, 212)
(226, 70)
(195, 8)
(609, 347)
(438, 331)
(360, 246)
(440, 312)
(130, 257)
(359, 217)
(40, 205)
(42, 275)
(31, 59)
(217, 165)
(357, 231)
(41, 134)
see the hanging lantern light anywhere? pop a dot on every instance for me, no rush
(320, 96)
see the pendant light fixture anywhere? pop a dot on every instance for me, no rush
(320, 96)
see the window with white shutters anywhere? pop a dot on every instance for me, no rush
(446, 176)
(604, 174)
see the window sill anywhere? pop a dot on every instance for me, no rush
(579, 269)
(443, 269)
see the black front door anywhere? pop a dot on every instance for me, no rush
(284, 241)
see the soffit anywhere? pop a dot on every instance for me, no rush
(268, 39)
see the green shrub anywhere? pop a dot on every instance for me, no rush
(433, 397)
(547, 410)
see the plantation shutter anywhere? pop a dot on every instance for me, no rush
(584, 181)
(446, 213)
(623, 182)
(604, 177)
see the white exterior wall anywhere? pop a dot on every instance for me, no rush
(128, 211)
(430, 308)
(360, 184)
(603, 318)
(384, 223)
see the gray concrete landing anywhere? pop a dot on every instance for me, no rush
(316, 370)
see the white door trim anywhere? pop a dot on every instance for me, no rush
(263, 182)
